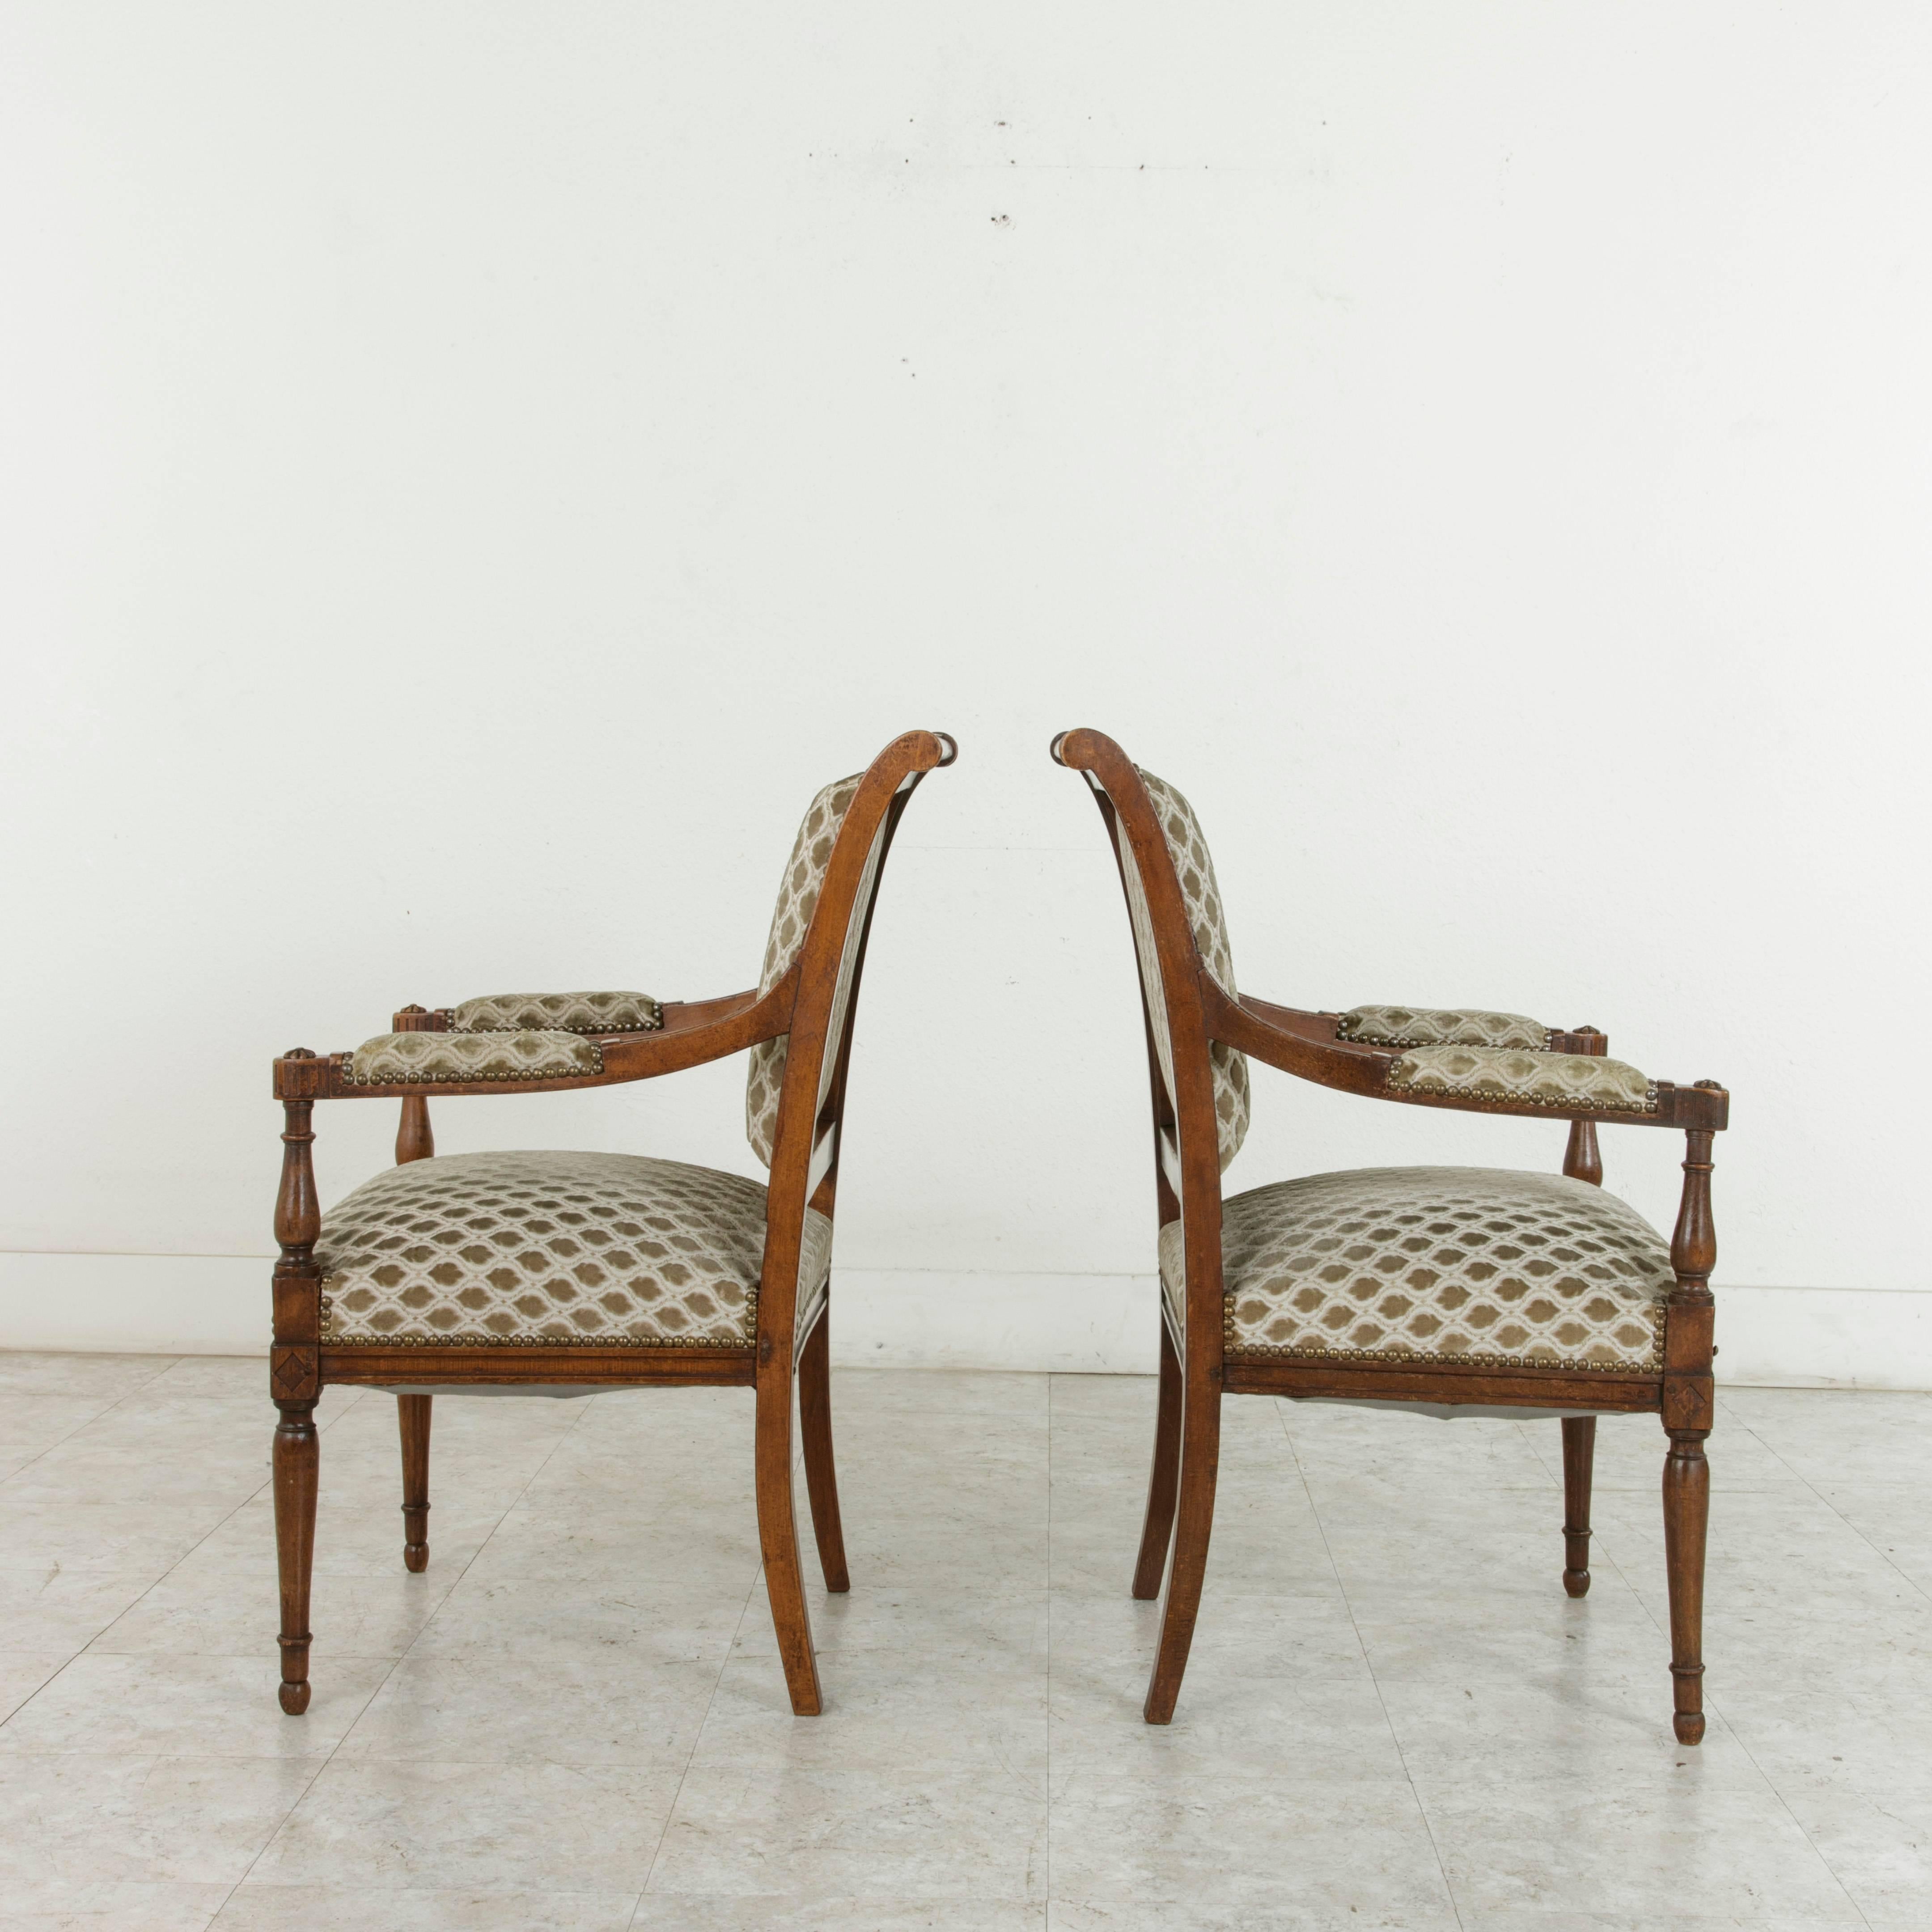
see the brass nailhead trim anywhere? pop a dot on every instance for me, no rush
(653, 1024)
(535, 1342)
(1353, 1031)
(1435, 1084)
(475, 1079)
(1655, 1314)
(415, 1078)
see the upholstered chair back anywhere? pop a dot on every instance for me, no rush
(1194, 868)
(798, 900)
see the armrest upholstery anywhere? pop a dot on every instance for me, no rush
(1441, 1026)
(526, 1055)
(1506, 1073)
(693, 1032)
(558, 1013)
(1304, 1044)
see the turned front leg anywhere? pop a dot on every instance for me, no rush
(297, 1456)
(1687, 1513)
(1690, 1407)
(295, 1374)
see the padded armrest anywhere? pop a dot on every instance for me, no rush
(1441, 1026)
(392, 1057)
(1543, 1079)
(558, 1013)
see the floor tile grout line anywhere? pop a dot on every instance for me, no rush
(1716, 1709)
(213, 1529)
(395, 1662)
(1524, 1430)
(1299, 1426)
(657, 1852)
(576, 1423)
(1402, 1757)
(1798, 1475)
(88, 1424)
(266, 1483)
(1600, 1554)
(1771, 1785)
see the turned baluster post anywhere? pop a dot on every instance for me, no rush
(414, 1139)
(1581, 1159)
(295, 1380)
(1689, 1410)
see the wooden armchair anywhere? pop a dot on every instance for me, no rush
(571, 1272)
(1467, 1288)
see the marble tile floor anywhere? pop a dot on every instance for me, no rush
(575, 1720)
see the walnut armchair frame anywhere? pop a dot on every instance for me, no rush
(1196, 1369)
(813, 1003)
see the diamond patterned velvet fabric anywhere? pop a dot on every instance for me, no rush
(1426, 1264)
(477, 1056)
(798, 900)
(1549, 1079)
(1201, 895)
(584, 1248)
(1441, 1026)
(558, 1013)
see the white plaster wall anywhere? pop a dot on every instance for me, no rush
(468, 473)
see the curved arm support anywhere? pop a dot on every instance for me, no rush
(693, 1032)
(1304, 1044)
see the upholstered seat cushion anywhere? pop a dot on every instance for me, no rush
(1433, 1263)
(558, 1013)
(472, 1056)
(580, 1248)
(1547, 1079)
(1441, 1026)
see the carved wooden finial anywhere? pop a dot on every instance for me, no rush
(299, 1053)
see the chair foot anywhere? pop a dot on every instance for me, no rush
(1187, 1567)
(777, 1535)
(295, 1697)
(1688, 1720)
(413, 1414)
(1579, 1455)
